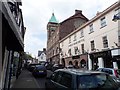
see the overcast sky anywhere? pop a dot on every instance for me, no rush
(36, 14)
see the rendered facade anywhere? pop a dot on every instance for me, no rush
(96, 43)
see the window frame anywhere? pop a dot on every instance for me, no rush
(69, 39)
(83, 48)
(103, 22)
(105, 42)
(81, 33)
(92, 45)
(70, 82)
(75, 37)
(91, 28)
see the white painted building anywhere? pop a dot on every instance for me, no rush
(98, 40)
(42, 56)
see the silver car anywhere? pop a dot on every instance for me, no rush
(115, 73)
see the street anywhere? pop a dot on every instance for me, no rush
(41, 80)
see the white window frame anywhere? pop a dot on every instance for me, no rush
(103, 22)
(81, 33)
(75, 37)
(91, 28)
(69, 39)
(105, 42)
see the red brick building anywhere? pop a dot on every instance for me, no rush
(56, 31)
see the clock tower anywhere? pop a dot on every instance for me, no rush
(51, 26)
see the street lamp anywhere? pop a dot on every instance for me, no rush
(116, 17)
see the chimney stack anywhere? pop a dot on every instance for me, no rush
(44, 49)
(78, 11)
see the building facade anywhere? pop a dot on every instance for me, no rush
(95, 43)
(57, 31)
(13, 30)
(42, 56)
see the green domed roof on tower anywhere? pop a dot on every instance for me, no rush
(53, 19)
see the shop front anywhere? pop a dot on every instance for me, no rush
(100, 60)
(116, 57)
(77, 61)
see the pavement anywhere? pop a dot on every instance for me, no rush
(25, 81)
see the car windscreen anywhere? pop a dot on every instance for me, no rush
(95, 81)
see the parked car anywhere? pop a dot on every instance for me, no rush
(31, 67)
(49, 66)
(57, 66)
(115, 73)
(69, 67)
(39, 70)
(74, 79)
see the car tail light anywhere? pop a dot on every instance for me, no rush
(116, 74)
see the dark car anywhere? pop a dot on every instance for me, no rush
(57, 66)
(74, 79)
(39, 70)
(69, 67)
(31, 67)
(49, 66)
(114, 73)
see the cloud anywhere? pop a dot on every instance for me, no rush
(36, 14)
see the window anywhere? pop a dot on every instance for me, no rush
(53, 52)
(66, 80)
(82, 47)
(62, 44)
(41, 57)
(81, 33)
(76, 50)
(119, 39)
(56, 76)
(91, 28)
(69, 51)
(103, 22)
(57, 50)
(53, 76)
(117, 12)
(92, 45)
(74, 37)
(105, 42)
(69, 39)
